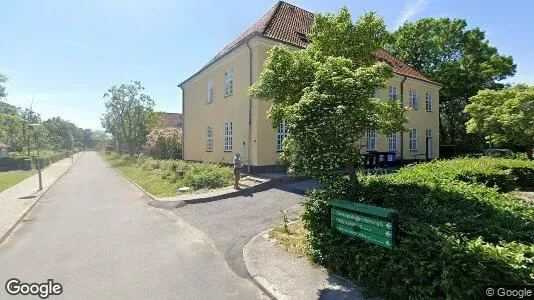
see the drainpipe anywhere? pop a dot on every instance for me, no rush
(249, 105)
(402, 105)
(183, 122)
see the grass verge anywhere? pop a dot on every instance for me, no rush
(292, 237)
(9, 179)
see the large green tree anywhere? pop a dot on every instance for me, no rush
(61, 134)
(447, 51)
(324, 94)
(127, 115)
(505, 116)
(3, 79)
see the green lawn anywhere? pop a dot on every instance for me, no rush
(9, 179)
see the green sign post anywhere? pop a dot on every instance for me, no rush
(373, 224)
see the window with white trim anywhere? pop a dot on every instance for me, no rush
(370, 141)
(393, 141)
(413, 99)
(392, 93)
(428, 102)
(209, 138)
(209, 91)
(428, 133)
(413, 139)
(228, 136)
(281, 135)
(228, 82)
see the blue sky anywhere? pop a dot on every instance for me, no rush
(66, 54)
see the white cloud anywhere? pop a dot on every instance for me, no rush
(411, 9)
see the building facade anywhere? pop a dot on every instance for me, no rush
(219, 118)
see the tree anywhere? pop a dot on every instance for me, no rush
(324, 94)
(505, 116)
(164, 143)
(461, 59)
(100, 138)
(3, 79)
(126, 117)
(10, 131)
(62, 134)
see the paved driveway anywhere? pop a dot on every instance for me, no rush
(231, 223)
(94, 233)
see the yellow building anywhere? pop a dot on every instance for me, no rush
(220, 118)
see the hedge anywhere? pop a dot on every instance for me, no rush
(456, 234)
(23, 162)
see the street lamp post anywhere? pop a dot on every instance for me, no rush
(35, 127)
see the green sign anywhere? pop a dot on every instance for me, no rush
(373, 224)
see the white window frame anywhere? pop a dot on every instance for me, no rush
(209, 91)
(229, 83)
(413, 99)
(280, 136)
(428, 101)
(228, 132)
(393, 142)
(428, 133)
(392, 93)
(413, 139)
(370, 140)
(209, 138)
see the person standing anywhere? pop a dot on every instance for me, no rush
(237, 170)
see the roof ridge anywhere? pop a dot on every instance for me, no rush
(268, 23)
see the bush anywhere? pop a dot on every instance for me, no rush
(456, 235)
(164, 143)
(207, 176)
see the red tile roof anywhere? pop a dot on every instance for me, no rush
(287, 23)
(173, 120)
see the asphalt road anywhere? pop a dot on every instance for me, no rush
(232, 222)
(94, 233)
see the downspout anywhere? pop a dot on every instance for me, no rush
(249, 106)
(402, 105)
(183, 121)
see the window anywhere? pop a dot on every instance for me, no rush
(370, 143)
(281, 135)
(428, 101)
(393, 142)
(376, 94)
(228, 136)
(428, 133)
(392, 93)
(209, 138)
(413, 99)
(229, 83)
(209, 91)
(413, 139)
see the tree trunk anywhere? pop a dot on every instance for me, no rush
(353, 178)
(530, 153)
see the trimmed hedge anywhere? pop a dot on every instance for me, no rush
(456, 235)
(10, 163)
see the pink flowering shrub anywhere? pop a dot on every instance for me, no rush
(164, 143)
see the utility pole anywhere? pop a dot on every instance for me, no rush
(36, 128)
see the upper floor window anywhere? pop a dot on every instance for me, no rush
(228, 130)
(209, 138)
(281, 135)
(392, 93)
(376, 94)
(413, 99)
(229, 82)
(393, 142)
(209, 91)
(370, 143)
(428, 102)
(413, 139)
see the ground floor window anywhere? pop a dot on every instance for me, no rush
(281, 135)
(209, 138)
(413, 139)
(393, 142)
(370, 143)
(228, 136)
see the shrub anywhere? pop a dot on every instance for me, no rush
(456, 235)
(164, 143)
(207, 176)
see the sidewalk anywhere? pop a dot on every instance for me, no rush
(285, 276)
(17, 200)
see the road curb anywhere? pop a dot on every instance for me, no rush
(12, 228)
(261, 283)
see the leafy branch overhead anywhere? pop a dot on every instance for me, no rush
(324, 93)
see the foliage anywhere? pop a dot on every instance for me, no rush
(126, 117)
(62, 134)
(159, 177)
(461, 59)
(324, 93)
(3, 79)
(164, 143)
(10, 131)
(455, 236)
(505, 116)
